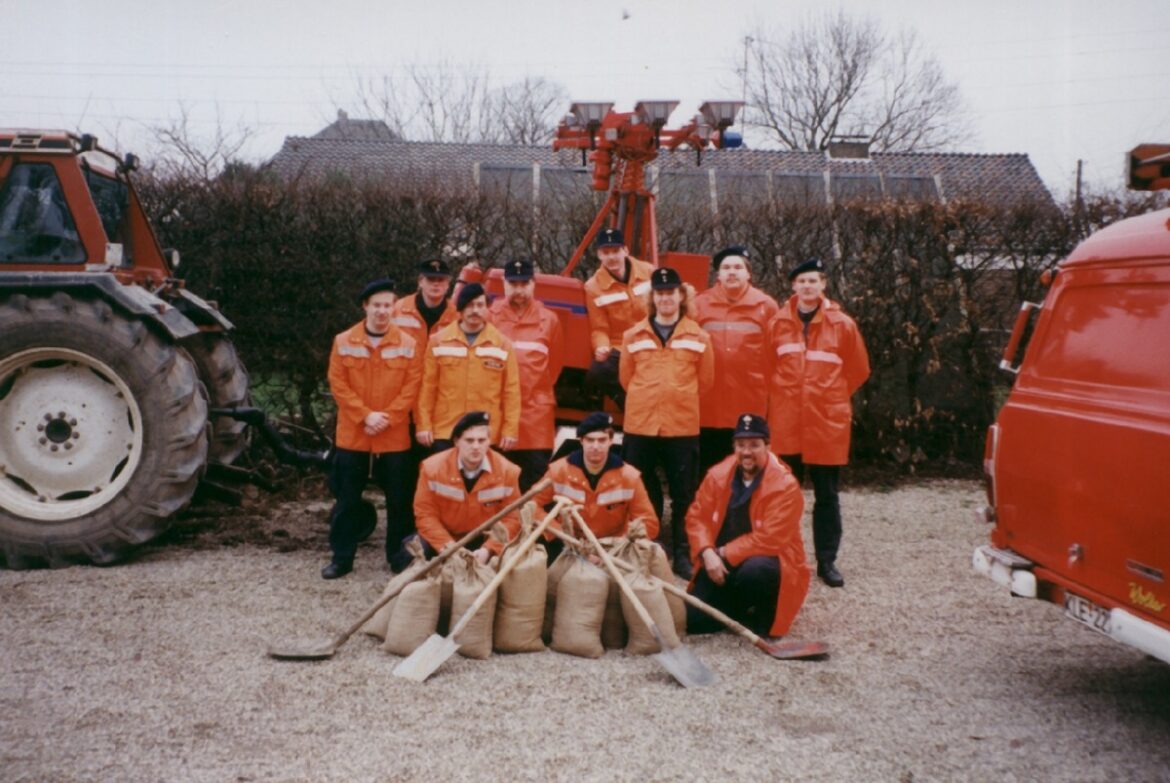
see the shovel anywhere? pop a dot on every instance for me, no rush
(317, 649)
(434, 652)
(680, 661)
(783, 650)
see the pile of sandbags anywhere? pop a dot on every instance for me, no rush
(376, 625)
(522, 597)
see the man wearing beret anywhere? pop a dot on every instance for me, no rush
(736, 315)
(667, 364)
(615, 300)
(820, 361)
(469, 366)
(744, 528)
(375, 370)
(610, 490)
(535, 332)
(461, 487)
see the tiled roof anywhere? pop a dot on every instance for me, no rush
(1000, 179)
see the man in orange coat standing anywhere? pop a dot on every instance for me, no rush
(666, 365)
(374, 374)
(736, 315)
(820, 361)
(535, 332)
(615, 300)
(744, 529)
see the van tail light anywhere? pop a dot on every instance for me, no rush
(1017, 343)
(987, 513)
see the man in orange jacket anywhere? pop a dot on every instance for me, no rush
(374, 374)
(820, 361)
(610, 490)
(461, 487)
(736, 315)
(666, 365)
(615, 300)
(429, 309)
(535, 332)
(744, 529)
(468, 366)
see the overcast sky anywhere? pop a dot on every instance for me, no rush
(1060, 80)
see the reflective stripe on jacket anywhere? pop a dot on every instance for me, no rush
(663, 383)
(774, 510)
(444, 510)
(410, 320)
(458, 377)
(364, 378)
(614, 306)
(537, 340)
(619, 499)
(739, 336)
(809, 411)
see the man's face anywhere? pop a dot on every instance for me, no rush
(734, 274)
(518, 292)
(473, 318)
(751, 454)
(808, 287)
(667, 301)
(613, 258)
(596, 445)
(473, 445)
(379, 310)
(433, 288)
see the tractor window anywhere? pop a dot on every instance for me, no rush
(112, 200)
(36, 226)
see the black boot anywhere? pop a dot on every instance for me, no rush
(830, 575)
(336, 569)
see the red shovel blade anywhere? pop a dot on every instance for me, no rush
(794, 649)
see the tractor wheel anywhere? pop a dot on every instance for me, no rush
(223, 374)
(103, 431)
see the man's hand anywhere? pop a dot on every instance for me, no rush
(602, 353)
(714, 566)
(376, 422)
(425, 438)
(483, 555)
(507, 443)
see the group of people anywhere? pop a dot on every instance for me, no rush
(446, 403)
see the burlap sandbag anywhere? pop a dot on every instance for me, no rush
(520, 607)
(641, 550)
(651, 596)
(376, 625)
(416, 612)
(613, 625)
(580, 609)
(555, 572)
(469, 578)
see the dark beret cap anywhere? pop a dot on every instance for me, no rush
(594, 422)
(734, 250)
(375, 287)
(466, 294)
(811, 265)
(467, 421)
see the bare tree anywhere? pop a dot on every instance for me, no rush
(184, 153)
(837, 75)
(525, 111)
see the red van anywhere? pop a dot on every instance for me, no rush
(1078, 461)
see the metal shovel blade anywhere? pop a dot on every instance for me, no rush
(426, 658)
(682, 663)
(794, 649)
(301, 650)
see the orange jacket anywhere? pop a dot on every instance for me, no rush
(809, 409)
(739, 335)
(663, 383)
(775, 510)
(410, 320)
(539, 345)
(614, 306)
(444, 510)
(364, 378)
(619, 499)
(458, 378)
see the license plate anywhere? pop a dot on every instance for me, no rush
(1087, 613)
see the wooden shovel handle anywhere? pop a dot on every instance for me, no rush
(441, 557)
(506, 569)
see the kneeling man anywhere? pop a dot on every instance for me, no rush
(744, 528)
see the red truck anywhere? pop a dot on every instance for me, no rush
(1078, 460)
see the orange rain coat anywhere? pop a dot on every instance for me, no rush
(775, 510)
(537, 339)
(410, 320)
(614, 306)
(809, 409)
(619, 499)
(739, 336)
(445, 511)
(663, 383)
(365, 378)
(458, 378)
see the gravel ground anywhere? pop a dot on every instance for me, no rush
(155, 670)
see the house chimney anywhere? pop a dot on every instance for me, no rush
(849, 147)
(341, 115)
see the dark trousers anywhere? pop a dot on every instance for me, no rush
(601, 379)
(826, 506)
(679, 459)
(715, 444)
(533, 464)
(749, 595)
(350, 472)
